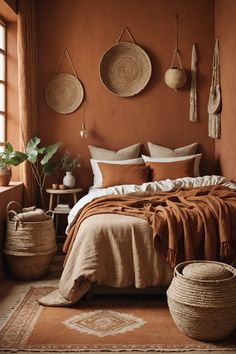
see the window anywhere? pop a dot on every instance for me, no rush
(2, 83)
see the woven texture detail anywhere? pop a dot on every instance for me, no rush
(206, 271)
(30, 245)
(204, 308)
(64, 93)
(125, 69)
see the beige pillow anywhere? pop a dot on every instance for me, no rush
(161, 151)
(115, 175)
(130, 152)
(171, 170)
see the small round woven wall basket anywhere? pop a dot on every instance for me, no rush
(125, 69)
(64, 93)
(202, 299)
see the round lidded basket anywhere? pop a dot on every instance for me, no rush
(202, 299)
(30, 246)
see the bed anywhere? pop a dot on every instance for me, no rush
(117, 250)
(120, 234)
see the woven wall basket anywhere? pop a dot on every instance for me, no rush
(64, 93)
(125, 69)
(202, 299)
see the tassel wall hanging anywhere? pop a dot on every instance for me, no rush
(215, 102)
(193, 90)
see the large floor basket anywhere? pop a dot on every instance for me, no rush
(202, 299)
(30, 246)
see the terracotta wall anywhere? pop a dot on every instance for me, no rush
(225, 14)
(88, 28)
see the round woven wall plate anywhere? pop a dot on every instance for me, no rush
(125, 69)
(64, 93)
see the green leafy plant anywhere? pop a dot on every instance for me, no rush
(9, 157)
(41, 162)
(68, 163)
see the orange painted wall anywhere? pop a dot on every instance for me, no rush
(225, 14)
(88, 28)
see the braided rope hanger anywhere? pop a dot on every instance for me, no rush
(176, 51)
(70, 61)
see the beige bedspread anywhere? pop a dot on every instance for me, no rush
(113, 250)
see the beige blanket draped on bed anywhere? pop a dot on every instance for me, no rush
(187, 224)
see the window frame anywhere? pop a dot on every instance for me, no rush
(4, 82)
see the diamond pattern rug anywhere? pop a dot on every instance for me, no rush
(106, 323)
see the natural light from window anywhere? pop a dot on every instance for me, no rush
(2, 84)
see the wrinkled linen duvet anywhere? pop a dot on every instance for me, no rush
(117, 250)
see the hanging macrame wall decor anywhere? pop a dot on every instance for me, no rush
(64, 92)
(215, 101)
(175, 76)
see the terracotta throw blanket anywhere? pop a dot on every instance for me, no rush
(196, 223)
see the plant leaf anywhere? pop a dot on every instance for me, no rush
(49, 152)
(9, 147)
(50, 167)
(32, 145)
(41, 150)
(17, 157)
(32, 150)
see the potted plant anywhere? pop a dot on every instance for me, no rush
(9, 157)
(68, 164)
(41, 162)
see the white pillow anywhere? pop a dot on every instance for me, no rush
(130, 152)
(173, 159)
(162, 151)
(97, 175)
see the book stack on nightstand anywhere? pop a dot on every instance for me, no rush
(62, 208)
(55, 204)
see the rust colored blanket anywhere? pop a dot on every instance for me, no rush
(197, 223)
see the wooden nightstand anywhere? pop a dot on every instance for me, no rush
(55, 196)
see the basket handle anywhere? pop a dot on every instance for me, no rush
(10, 212)
(50, 213)
(10, 206)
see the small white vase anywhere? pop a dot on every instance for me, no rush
(69, 180)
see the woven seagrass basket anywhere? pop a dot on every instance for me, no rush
(175, 78)
(125, 69)
(202, 299)
(30, 246)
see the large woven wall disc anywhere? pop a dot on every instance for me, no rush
(64, 93)
(125, 69)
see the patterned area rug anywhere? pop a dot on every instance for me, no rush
(106, 323)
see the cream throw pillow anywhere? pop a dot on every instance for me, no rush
(174, 159)
(97, 175)
(130, 152)
(161, 151)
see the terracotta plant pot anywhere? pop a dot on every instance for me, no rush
(5, 177)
